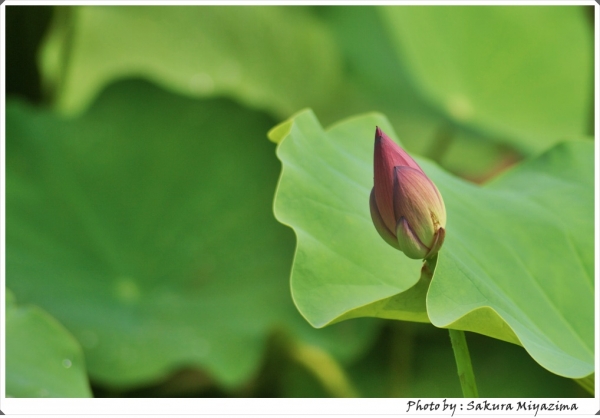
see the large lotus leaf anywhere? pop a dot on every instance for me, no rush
(145, 226)
(42, 358)
(527, 258)
(522, 74)
(517, 263)
(262, 56)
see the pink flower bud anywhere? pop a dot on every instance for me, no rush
(406, 207)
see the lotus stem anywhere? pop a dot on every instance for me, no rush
(463, 363)
(459, 346)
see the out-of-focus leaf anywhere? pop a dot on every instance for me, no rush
(43, 360)
(522, 74)
(517, 263)
(146, 227)
(337, 60)
(377, 79)
(277, 59)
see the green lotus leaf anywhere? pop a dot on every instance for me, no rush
(43, 360)
(260, 56)
(145, 227)
(517, 263)
(522, 75)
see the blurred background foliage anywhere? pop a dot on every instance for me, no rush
(140, 183)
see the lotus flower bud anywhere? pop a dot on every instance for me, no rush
(406, 207)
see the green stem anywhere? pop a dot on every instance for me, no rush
(60, 42)
(463, 363)
(587, 383)
(459, 345)
(325, 368)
